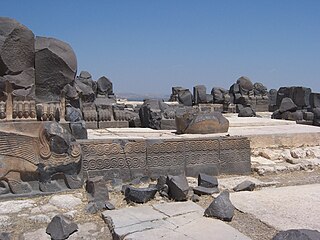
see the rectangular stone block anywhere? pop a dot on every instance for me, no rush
(235, 155)
(202, 156)
(111, 158)
(165, 157)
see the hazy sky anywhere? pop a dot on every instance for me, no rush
(148, 46)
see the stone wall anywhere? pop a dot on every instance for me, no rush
(128, 159)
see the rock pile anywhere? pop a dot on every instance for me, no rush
(298, 104)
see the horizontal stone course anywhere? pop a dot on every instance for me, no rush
(128, 159)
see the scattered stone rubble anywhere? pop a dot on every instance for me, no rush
(269, 160)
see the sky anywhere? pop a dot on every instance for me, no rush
(149, 46)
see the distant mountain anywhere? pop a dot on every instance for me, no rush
(142, 96)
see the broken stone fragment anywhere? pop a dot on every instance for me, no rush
(139, 195)
(178, 187)
(297, 234)
(245, 186)
(60, 227)
(207, 181)
(221, 208)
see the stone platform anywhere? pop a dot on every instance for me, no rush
(131, 152)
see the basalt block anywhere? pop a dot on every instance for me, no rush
(55, 66)
(199, 93)
(191, 121)
(16, 47)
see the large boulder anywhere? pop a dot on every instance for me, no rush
(16, 47)
(56, 66)
(192, 121)
(245, 84)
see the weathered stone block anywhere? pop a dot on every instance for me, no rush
(165, 157)
(202, 156)
(235, 155)
(114, 159)
(199, 94)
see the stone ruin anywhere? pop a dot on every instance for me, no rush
(299, 104)
(243, 97)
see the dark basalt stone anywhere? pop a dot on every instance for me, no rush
(297, 234)
(192, 121)
(287, 105)
(199, 190)
(178, 187)
(139, 195)
(207, 181)
(247, 112)
(97, 190)
(104, 86)
(78, 130)
(219, 95)
(185, 97)
(59, 138)
(245, 186)
(260, 89)
(61, 228)
(199, 93)
(16, 47)
(55, 66)
(221, 208)
(245, 84)
(73, 114)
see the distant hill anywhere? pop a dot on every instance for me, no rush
(142, 96)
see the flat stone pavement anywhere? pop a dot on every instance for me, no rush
(283, 208)
(177, 220)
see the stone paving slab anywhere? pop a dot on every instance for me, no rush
(178, 220)
(283, 208)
